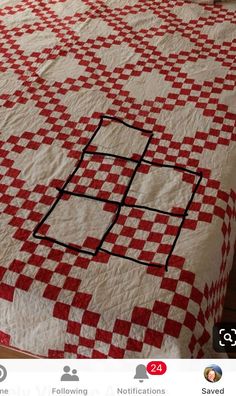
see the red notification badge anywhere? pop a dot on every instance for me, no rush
(156, 368)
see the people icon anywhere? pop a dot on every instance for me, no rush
(69, 377)
(74, 377)
(213, 373)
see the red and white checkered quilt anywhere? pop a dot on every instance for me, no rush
(117, 140)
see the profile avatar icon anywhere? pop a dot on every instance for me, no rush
(213, 373)
(69, 377)
(141, 373)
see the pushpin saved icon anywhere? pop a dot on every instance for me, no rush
(141, 373)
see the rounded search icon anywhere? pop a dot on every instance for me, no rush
(227, 337)
(3, 373)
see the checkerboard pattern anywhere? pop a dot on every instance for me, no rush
(149, 241)
(143, 235)
(102, 177)
(160, 66)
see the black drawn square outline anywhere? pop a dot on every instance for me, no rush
(68, 245)
(160, 165)
(120, 204)
(105, 117)
(132, 258)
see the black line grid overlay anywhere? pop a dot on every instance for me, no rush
(118, 202)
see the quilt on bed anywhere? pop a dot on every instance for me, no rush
(117, 141)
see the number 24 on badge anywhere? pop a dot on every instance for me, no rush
(156, 368)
